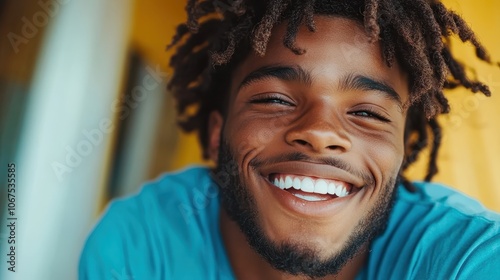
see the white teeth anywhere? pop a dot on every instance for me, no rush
(341, 191)
(321, 186)
(297, 184)
(344, 193)
(288, 182)
(307, 185)
(331, 188)
(338, 189)
(310, 185)
(309, 197)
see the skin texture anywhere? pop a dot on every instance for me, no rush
(313, 124)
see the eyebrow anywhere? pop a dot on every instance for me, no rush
(297, 73)
(361, 82)
(281, 72)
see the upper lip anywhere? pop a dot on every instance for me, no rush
(312, 169)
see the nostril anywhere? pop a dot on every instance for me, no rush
(333, 147)
(302, 142)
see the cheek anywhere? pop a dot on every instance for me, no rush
(250, 132)
(386, 155)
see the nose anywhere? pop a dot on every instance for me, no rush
(319, 132)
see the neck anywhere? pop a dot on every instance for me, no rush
(248, 264)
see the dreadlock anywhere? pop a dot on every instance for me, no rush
(414, 32)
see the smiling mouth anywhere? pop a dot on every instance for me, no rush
(311, 188)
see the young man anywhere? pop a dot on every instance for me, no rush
(311, 110)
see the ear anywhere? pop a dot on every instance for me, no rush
(215, 123)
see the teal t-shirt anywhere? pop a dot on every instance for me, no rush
(170, 230)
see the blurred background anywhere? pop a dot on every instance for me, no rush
(85, 118)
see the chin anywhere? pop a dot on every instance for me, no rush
(301, 229)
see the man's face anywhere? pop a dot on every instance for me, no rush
(317, 139)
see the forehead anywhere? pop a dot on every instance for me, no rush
(339, 47)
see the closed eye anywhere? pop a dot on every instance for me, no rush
(271, 99)
(371, 115)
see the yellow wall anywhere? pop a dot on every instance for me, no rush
(154, 25)
(470, 153)
(469, 159)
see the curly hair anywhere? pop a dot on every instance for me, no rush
(416, 33)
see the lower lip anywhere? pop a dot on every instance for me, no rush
(303, 207)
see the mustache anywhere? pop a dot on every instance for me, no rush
(367, 177)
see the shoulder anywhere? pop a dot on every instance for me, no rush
(171, 198)
(164, 223)
(440, 233)
(446, 199)
(440, 206)
(191, 187)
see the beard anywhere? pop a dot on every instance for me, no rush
(295, 259)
